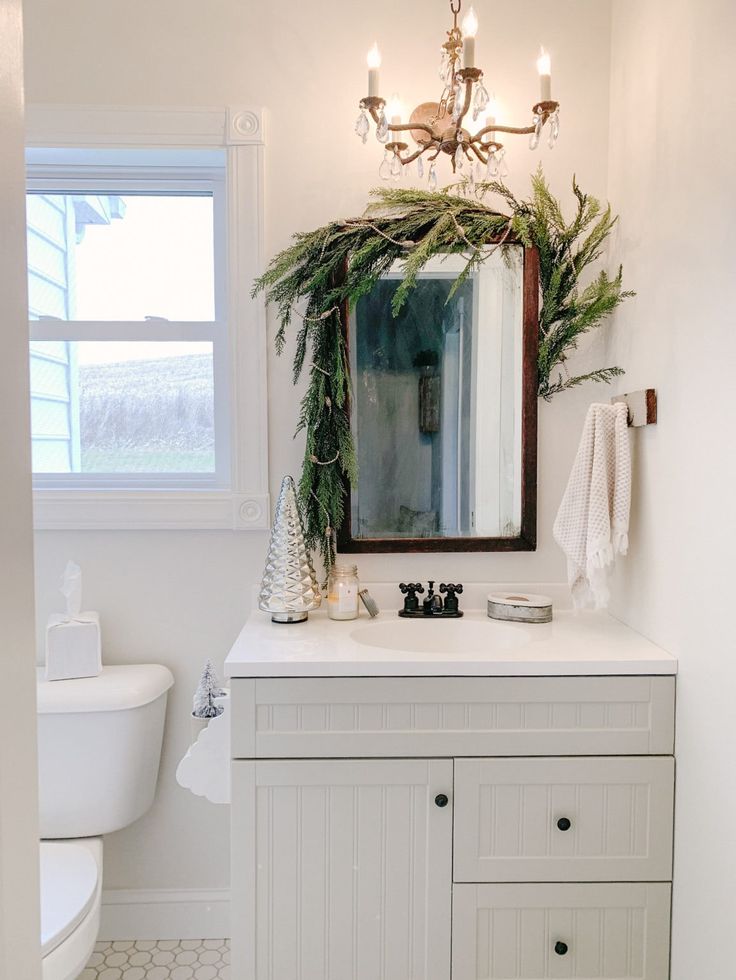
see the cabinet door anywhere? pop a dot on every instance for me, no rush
(546, 931)
(341, 870)
(607, 819)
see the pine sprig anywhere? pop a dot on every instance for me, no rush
(332, 267)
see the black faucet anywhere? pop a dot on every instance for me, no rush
(432, 607)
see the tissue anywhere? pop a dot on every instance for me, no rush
(71, 589)
(73, 641)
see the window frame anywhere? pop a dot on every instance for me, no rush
(64, 179)
(236, 496)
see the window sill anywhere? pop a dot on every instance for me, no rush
(156, 510)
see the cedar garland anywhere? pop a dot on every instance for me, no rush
(332, 267)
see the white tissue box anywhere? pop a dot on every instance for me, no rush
(73, 648)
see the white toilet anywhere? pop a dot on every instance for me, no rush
(99, 747)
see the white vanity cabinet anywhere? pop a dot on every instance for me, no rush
(451, 828)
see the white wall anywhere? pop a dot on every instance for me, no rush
(19, 905)
(671, 176)
(177, 597)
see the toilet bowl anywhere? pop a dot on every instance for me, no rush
(71, 889)
(99, 748)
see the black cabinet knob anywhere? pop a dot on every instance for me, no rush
(441, 800)
(560, 948)
(564, 824)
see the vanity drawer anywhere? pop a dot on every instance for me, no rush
(605, 819)
(540, 931)
(344, 717)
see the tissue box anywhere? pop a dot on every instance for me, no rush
(73, 648)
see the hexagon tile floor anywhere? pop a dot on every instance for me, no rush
(174, 959)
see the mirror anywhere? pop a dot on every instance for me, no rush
(444, 409)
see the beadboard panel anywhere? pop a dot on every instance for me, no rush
(462, 716)
(348, 865)
(619, 812)
(611, 931)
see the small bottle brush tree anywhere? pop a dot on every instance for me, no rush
(203, 703)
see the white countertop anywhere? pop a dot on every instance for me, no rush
(586, 643)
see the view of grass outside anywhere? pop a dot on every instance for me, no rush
(148, 416)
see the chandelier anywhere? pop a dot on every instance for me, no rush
(447, 126)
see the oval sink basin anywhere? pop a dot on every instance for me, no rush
(449, 636)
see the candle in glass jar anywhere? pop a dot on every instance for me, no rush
(342, 592)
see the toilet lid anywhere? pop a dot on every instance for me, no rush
(69, 875)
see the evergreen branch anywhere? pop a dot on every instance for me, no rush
(606, 375)
(334, 266)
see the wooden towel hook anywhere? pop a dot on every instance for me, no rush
(641, 405)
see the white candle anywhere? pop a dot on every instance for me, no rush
(395, 114)
(374, 63)
(491, 115)
(470, 29)
(544, 67)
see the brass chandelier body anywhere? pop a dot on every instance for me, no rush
(445, 127)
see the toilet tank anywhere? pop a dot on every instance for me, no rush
(99, 748)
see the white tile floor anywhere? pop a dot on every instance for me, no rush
(174, 959)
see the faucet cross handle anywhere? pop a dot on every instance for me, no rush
(452, 591)
(410, 589)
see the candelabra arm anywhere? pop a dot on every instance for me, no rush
(466, 103)
(476, 150)
(418, 153)
(404, 127)
(543, 109)
(518, 130)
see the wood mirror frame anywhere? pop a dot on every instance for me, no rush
(527, 538)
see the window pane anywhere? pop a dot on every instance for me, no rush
(122, 407)
(100, 256)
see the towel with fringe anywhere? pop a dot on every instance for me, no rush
(592, 524)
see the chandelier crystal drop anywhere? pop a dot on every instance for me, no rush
(443, 127)
(382, 128)
(384, 171)
(362, 126)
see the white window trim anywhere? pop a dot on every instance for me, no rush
(245, 505)
(43, 178)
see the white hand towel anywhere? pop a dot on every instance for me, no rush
(592, 524)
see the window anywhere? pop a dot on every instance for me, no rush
(129, 342)
(148, 353)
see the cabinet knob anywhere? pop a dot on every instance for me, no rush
(560, 948)
(564, 824)
(441, 800)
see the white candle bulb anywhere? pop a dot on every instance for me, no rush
(374, 63)
(470, 29)
(395, 112)
(395, 109)
(544, 67)
(374, 56)
(491, 115)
